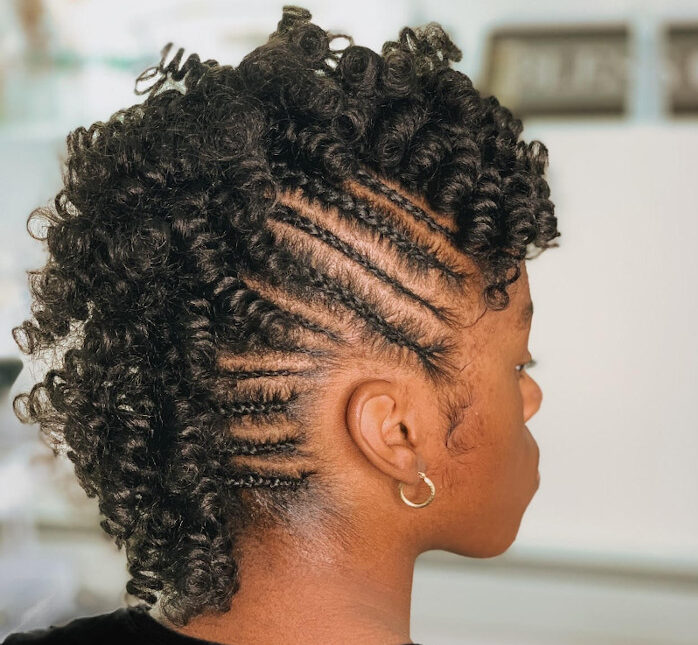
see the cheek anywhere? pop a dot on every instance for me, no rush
(500, 409)
(494, 454)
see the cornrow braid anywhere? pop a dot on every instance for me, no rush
(220, 251)
(402, 202)
(294, 270)
(253, 480)
(293, 218)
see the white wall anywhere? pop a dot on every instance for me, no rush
(614, 332)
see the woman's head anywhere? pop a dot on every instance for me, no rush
(278, 289)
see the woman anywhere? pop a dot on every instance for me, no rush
(293, 307)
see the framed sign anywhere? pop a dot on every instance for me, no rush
(558, 70)
(680, 68)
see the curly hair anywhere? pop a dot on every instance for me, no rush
(216, 251)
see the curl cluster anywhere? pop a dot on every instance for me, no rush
(163, 206)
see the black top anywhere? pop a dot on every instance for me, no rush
(124, 626)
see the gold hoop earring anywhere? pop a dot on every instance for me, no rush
(421, 504)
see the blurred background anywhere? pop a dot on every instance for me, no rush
(607, 552)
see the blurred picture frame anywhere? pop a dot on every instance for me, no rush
(680, 68)
(566, 70)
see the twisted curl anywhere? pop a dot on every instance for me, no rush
(161, 209)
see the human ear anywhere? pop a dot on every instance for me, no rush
(376, 416)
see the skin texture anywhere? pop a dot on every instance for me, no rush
(382, 430)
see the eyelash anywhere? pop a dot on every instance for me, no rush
(522, 366)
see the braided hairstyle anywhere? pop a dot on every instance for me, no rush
(218, 251)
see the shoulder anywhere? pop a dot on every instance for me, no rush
(104, 629)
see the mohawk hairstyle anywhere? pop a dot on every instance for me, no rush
(216, 251)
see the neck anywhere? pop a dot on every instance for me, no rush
(300, 594)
